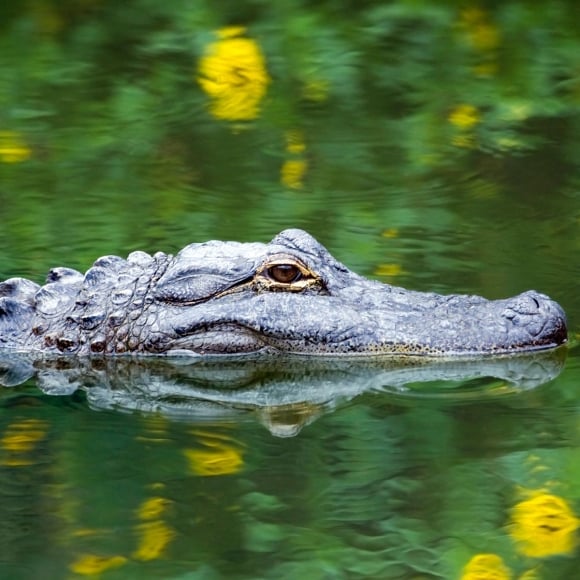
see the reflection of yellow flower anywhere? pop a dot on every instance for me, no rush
(233, 73)
(486, 567)
(220, 456)
(154, 534)
(152, 508)
(153, 539)
(222, 459)
(544, 526)
(19, 439)
(464, 116)
(13, 149)
(92, 565)
(22, 436)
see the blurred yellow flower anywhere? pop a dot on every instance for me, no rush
(486, 567)
(316, 91)
(481, 33)
(485, 69)
(464, 116)
(13, 148)
(390, 233)
(92, 565)
(295, 141)
(464, 141)
(388, 270)
(293, 170)
(543, 525)
(233, 74)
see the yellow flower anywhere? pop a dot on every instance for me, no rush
(92, 565)
(13, 149)
(486, 567)
(544, 526)
(233, 74)
(464, 116)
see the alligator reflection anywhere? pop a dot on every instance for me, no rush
(284, 394)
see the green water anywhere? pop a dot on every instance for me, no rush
(426, 145)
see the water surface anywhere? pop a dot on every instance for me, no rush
(425, 145)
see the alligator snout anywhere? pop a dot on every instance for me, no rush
(538, 317)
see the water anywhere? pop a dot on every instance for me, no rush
(426, 146)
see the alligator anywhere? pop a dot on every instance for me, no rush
(289, 296)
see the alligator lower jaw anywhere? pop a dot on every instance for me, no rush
(246, 343)
(227, 339)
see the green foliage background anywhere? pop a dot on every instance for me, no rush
(124, 151)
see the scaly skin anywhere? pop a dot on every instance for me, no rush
(288, 296)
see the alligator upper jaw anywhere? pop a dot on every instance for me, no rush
(379, 323)
(473, 326)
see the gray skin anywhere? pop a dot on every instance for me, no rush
(288, 296)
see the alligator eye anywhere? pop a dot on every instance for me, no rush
(284, 273)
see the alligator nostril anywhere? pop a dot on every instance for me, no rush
(527, 303)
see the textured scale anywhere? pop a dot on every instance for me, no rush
(221, 297)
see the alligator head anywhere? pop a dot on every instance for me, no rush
(287, 296)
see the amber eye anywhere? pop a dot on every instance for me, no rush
(284, 273)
